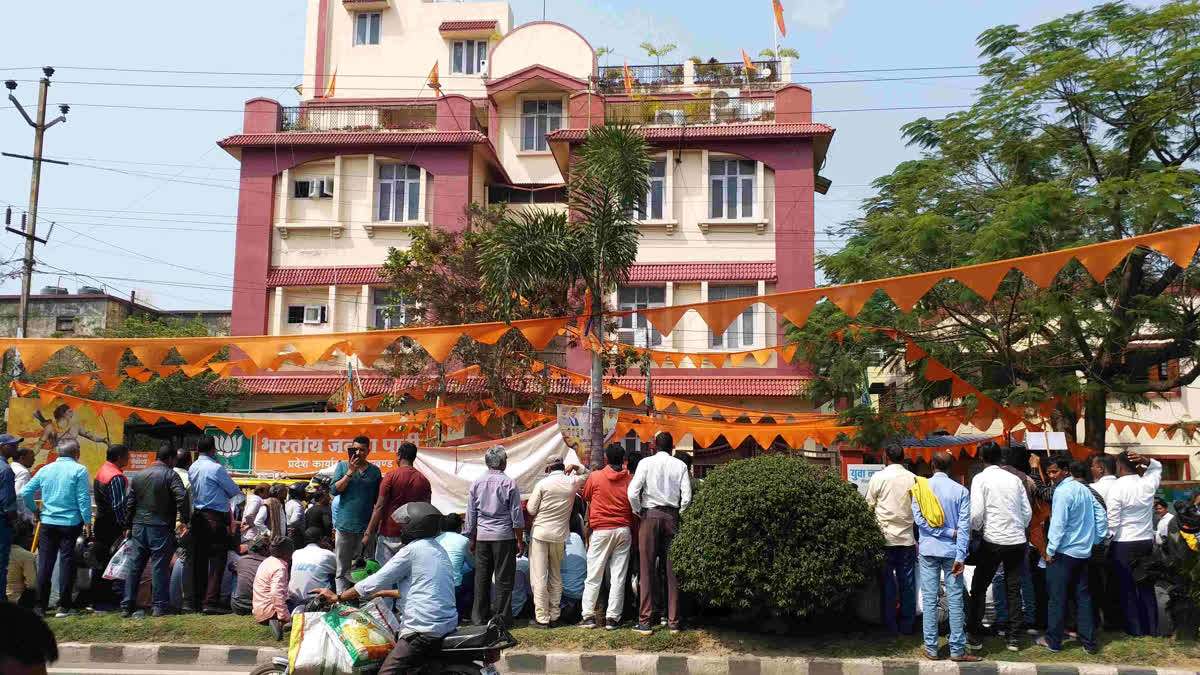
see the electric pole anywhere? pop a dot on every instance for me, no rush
(35, 179)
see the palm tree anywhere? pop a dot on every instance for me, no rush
(657, 52)
(602, 52)
(784, 51)
(597, 246)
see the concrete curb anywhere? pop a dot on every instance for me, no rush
(217, 656)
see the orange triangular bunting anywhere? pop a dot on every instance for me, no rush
(762, 355)
(261, 352)
(199, 352)
(487, 334)
(139, 373)
(718, 315)
(664, 318)
(1042, 269)
(1100, 260)
(850, 298)
(914, 353)
(106, 355)
(906, 292)
(795, 307)
(540, 332)
(983, 279)
(151, 355)
(368, 347)
(111, 382)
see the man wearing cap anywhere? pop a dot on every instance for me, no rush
(8, 505)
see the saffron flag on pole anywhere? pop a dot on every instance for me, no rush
(778, 6)
(628, 79)
(746, 62)
(332, 85)
(434, 83)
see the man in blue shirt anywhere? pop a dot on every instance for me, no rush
(422, 573)
(66, 512)
(1077, 523)
(461, 561)
(8, 505)
(356, 482)
(212, 488)
(942, 551)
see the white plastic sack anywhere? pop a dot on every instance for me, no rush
(313, 648)
(382, 615)
(121, 565)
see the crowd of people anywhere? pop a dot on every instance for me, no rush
(1066, 548)
(197, 544)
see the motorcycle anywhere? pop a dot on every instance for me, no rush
(471, 650)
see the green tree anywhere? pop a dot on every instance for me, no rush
(436, 281)
(783, 52)
(596, 247)
(602, 53)
(1086, 130)
(657, 51)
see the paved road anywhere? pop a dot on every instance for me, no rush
(112, 669)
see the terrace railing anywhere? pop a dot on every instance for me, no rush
(418, 117)
(612, 78)
(690, 111)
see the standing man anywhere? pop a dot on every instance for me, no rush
(66, 512)
(402, 485)
(1102, 580)
(212, 488)
(889, 497)
(1000, 508)
(156, 498)
(9, 513)
(550, 505)
(496, 528)
(610, 519)
(1130, 517)
(356, 481)
(1077, 523)
(943, 552)
(110, 489)
(23, 459)
(659, 493)
(1164, 521)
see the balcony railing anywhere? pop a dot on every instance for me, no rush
(731, 74)
(677, 112)
(612, 78)
(359, 118)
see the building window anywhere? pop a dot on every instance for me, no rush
(634, 329)
(740, 334)
(539, 118)
(389, 311)
(312, 188)
(366, 28)
(632, 443)
(64, 324)
(468, 57)
(732, 188)
(399, 192)
(652, 208)
(529, 193)
(310, 314)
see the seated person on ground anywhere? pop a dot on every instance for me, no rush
(271, 589)
(313, 567)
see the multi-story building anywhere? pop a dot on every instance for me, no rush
(56, 312)
(373, 150)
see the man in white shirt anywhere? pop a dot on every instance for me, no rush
(889, 497)
(21, 463)
(1000, 509)
(658, 493)
(1101, 578)
(550, 505)
(313, 567)
(1130, 523)
(1165, 517)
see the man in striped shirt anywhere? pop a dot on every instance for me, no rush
(109, 490)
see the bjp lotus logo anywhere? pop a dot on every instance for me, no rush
(229, 446)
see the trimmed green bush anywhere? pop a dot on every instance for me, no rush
(777, 536)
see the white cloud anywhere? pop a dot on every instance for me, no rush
(817, 14)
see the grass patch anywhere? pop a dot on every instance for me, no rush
(1116, 648)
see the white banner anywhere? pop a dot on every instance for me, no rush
(452, 470)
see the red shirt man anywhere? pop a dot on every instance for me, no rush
(402, 485)
(611, 519)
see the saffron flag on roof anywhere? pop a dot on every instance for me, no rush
(746, 62)
(778, 6)
(628, 79)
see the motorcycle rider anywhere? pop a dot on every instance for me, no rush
(422, 573)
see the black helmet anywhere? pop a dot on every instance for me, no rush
(1189, 518)
(418, 520)
(296, 490)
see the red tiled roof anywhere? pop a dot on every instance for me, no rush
(451, 26)
(724, 385)
(323, 276)
(702, 271)
(283, 384)
(354, 138)
(712, 131)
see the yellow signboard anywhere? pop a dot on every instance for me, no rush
(44, 425)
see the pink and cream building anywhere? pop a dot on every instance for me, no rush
(329, 185)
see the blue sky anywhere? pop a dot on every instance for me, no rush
(149, 203)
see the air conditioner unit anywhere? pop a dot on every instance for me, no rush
(724, 103)
(634, 337)
(672, 117)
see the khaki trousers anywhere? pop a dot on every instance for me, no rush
(545, 575)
